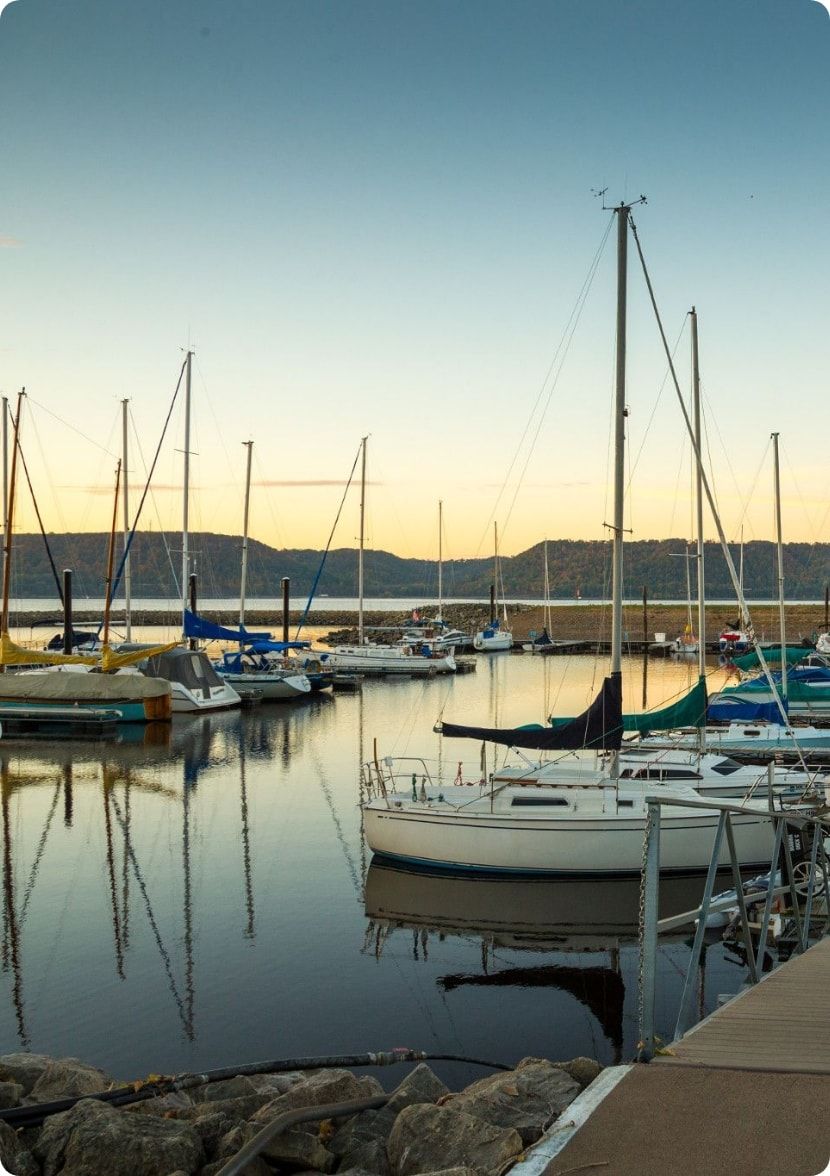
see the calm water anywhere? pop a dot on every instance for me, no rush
(200, 895)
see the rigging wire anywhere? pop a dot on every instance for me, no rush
(563, 347)
(40, 524)
(67, 425)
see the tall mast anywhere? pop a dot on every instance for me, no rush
(111, 558)
(701, 581)
(440, 562)
(186, 507)
(780, 544)
(623, 212)
(7, 537)
(496, 568)
(360, 552)
(243, 580)
(546, 614)
(5, 465)
(126, 492)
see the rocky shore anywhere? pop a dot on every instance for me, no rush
(420, 1127)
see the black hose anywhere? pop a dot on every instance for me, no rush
(251, 1150)
(34, 1115)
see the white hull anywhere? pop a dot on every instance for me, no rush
(562, 845)
(745, 737)
(495, 644)
(187, 702)
(274, 687)
(377, 659)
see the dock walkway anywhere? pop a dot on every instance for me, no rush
(746, 1092)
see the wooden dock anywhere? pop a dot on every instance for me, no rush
(744, 1093)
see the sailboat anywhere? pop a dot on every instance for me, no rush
(412, 659)
(493, 638)
(550, 819)
(542, 642)
(687, 642)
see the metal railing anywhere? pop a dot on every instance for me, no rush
(801, 880)
(380, 777)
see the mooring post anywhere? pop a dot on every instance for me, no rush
(285, 618)
(67, 610)
(192, 596)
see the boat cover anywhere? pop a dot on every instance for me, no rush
(196, 626)
(600, 726)
(278, 646)
(69, 687)
(772, 656)
(727, 708)
(688, 711)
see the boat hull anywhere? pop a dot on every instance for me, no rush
(274, 687)
(366, 660)
(485, 842)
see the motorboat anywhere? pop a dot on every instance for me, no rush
(247, 668)
(194, 682)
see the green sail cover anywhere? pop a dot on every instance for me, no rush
(772, 656)
(689, 711)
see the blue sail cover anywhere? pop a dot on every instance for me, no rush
(734, 708)
(196, 626)
(600, 726)
(278, 646)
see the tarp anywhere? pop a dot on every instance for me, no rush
(600, 726)
(16, 655)
(196, 626)
(278, 646)
(80, 687)
(113, 660)
(772, 656)
(689, 711)
(734, 708)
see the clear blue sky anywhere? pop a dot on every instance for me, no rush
(376, 217)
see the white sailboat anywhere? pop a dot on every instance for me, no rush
(402, 658)
(493, 638)
(550, 818)
(687, 643)
(542, 641)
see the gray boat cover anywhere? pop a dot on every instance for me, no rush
(68, 686)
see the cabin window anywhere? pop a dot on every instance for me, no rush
(538, 802)
(726, 767)
(625, 804)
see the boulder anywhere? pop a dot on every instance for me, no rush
(94, 1137)
(582, 1070)
(296, 1148)
(431, 1139)
(212, 1129)
(369, 1156)
(68, 1078)
(526, 1099)
(321, 1087)
(238, 1087)
(24, 1068)
(274, 1084)
(14, 1156)
(10, 1094)
(257, 1167)
(419, 1086)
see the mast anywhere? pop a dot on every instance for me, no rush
(243, 580)
(701, 583)
(110, 558)
(125, 492)
(5, 465)
(362, 535)
(186, 506)
(623, 212)
(780, 544)
(7, 537)
(440, 562)
(547, 624)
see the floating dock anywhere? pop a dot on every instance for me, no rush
(58, 722)
(745, 1092)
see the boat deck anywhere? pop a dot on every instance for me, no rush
(745, 1092)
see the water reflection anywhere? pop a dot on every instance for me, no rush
(542, 916)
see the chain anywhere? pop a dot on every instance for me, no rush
(641, 926)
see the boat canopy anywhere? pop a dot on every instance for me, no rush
(689, 711)
(728, 708)
(196, 626)
(772, 656)
(278, 646)
(600, 726)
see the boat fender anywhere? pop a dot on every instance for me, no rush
(414, 788)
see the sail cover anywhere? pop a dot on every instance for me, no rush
(728, 708)
(196, 626)
(689, 711)
(600, 726)
(772, 656)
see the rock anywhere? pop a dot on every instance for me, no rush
(296, 1147)
(211, 1129)
(14, 1156)
(238, 1087)
(10, 1094)
(275, 1084)
(94, 1137)
(237, 1109)
(68, 1078)
(419, 1086)
(582, 1070)
(256, 1167)
(429, 1139)
(453, 1172)
(526, 1099)
(164, 1105)
(324, 1086)
(24, 1068)
(369, 1156)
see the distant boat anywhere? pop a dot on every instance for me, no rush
(493, 638)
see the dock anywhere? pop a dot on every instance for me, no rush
(58, 722)
(745, 1092)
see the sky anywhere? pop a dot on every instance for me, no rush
(381, 219)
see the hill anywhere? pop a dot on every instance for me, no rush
(575, 566)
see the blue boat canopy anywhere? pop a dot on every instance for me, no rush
(196, 626)
(736, 708)
(278, 646)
